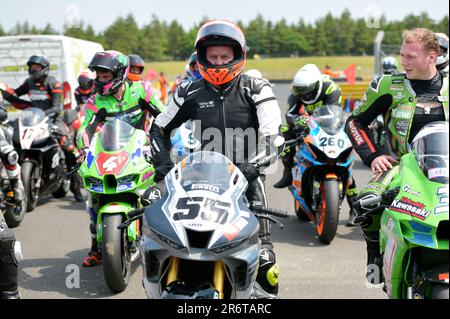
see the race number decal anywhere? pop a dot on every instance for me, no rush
(442, 193)
(210, 210)
(331, 141)
(111, 163)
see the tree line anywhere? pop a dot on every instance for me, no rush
(330, 35)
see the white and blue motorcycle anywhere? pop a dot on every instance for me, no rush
(322, 170)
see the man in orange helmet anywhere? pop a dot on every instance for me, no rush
(224, 100)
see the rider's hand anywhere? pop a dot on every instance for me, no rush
(153, 193)
(382, 163)
(301, 122)
(249, 170)
(80, 156)
(100, 115)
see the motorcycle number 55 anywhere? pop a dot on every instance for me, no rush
(210, 210)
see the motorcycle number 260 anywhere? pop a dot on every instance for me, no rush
(331, 141)
(213, 210)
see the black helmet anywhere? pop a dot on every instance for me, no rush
(221, 32)
(192, 70)
(136, 61)
(115, 62)
(86, 82)
(42, 61)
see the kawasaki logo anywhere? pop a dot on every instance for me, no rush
(401, 114)
(407, 206)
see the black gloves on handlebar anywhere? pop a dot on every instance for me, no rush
(100, 116)
(153, 193)
(249, 170)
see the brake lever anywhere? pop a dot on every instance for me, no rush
(271, 219)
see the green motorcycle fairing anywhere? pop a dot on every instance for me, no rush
(412, 220)
(115, 166)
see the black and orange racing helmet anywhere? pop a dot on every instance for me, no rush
(215, 33)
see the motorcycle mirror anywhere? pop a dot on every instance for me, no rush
(279, 141)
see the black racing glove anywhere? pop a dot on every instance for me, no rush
(249, 170)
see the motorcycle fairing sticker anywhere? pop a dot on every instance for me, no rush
(410, 207)
(112, 163)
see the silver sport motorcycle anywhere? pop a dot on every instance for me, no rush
(200, 240)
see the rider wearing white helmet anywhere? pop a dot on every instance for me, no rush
(310, 89)
(442, 59)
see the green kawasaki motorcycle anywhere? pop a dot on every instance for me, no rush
(414, 213)
(116, 173)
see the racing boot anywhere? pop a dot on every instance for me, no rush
(266, 285)
(94, 257)
(374, 274)
(10, 256)
(351, 194)
(288, 163)
(75, 188)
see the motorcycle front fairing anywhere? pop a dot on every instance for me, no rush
(202, 218)
(325, 150)
(415, 220)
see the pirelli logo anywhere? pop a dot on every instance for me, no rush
(357, 137)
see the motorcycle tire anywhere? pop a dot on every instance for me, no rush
(63, 189)
(29, 173)
(13, 218)
(439, 291)
(116, 257)
(328, 216)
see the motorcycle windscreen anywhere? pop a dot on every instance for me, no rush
(206, 171)
(32, 116)
(430, 148)
(330, 118)
(115, 135)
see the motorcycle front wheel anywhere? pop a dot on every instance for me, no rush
(328, 214)
(30, 176)
(116, 257)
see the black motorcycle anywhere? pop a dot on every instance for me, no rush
(40, 155)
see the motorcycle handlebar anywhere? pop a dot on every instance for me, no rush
(265, 160)
(270, 211)
(132, 216)
(295, 141)
(136, 212)
(368, 202)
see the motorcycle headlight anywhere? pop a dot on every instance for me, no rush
(126, 179)
(222, 248)
(93, 181)
(167, 240)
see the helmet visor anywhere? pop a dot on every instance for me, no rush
(431, 152)
(305, 90)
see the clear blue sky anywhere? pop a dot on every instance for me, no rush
(188, 12)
